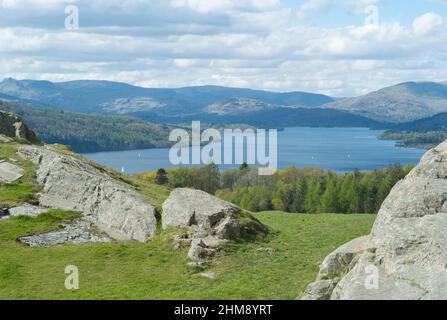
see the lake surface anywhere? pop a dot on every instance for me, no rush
(338, 149)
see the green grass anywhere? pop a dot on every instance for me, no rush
(22, 190)
(130, 270)
(155, 270)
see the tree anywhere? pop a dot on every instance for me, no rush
(162, 177)
(210, 176)
(230, 178)
(312, 201)
(329, 199)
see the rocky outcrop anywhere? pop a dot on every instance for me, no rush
(11, 126)
(10, 172)
(405, 257)
(23, 210)
(209, 222)
(78, 232)
(69, 183)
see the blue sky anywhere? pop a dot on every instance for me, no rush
(336, 47)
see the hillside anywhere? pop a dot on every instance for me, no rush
(89, 132)
(401, 103)
(425, 133)
(49, 220)
(278, 268)
(276, 117)
(434, 123)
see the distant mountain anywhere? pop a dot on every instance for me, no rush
(435, 123)
(401, 103)
(276, 118)
(239, 106)
(120, 98)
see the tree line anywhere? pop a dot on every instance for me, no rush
(308, 190)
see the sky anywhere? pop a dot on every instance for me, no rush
(335, 47)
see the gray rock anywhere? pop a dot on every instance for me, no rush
(268, 251)
(203, 249)
(5, 139)
(340, 259)
(12, 126)
(407, 248)
(26, 210)
(229, 228)
(69, 183)
(79, 232)
(10, 172)
(320, 290)
(187, 207)
(209, 275)
(210, 222)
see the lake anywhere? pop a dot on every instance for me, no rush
(338, 149)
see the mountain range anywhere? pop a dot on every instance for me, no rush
(103, 115)
(401, 103)
(405, 102)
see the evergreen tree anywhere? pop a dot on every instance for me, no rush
(312, 201)
(162, 177)
(329, 199)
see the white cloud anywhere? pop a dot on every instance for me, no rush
(248, 43)
(427, 23)
(226, 5)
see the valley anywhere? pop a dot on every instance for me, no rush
(127, 117)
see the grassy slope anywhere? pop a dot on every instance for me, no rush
(129, 270)
(22, 190)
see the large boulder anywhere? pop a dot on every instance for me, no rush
(12, 126)
(209, 221)
(187, 207)
(70, 183)
(10, 172)
(405, 257)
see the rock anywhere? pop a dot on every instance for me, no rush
(12, 126)
(78, 232)
(197, 264)
(268, 251)
(181, 241)
(335, 265)
(5, 139)
(405, 256)
(4, 213)
(70, 183)
(210, 221)
(340, 259)
(229, 229)
(10, 172)
(201, 250)
(26, 210)
(320, 290)
(187, 207)
(209, 275)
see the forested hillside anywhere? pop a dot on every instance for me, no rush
(308, 190)
(416, 139)
(91, 133)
